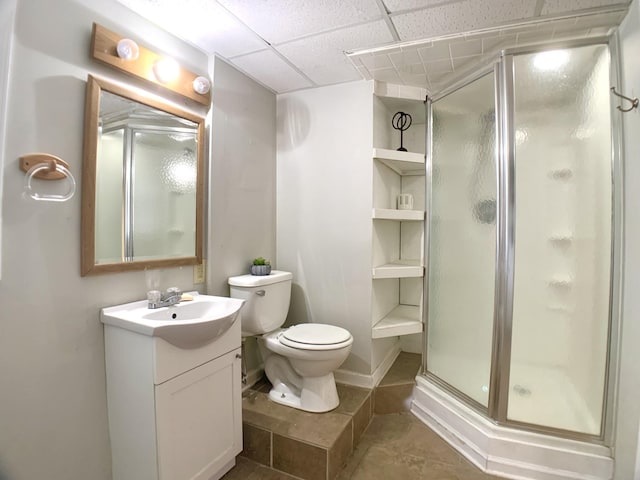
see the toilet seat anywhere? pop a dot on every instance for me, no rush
(315, 336)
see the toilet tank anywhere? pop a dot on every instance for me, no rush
(267, 300)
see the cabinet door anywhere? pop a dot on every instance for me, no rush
(199, 420)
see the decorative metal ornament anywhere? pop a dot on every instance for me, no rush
(401, 121)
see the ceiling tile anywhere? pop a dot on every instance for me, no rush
(570, 33)
(592, 21)
(542, 34)
(201, 22)
(464, 49)
(285, 20)
(272, 71)
(439, 66)
(376, 60)
(415, 69)
(322, 57)
(460, 17)
(400, 5)
(406, 57)
(460, 63)
(493, 44)
(386, 75)
(438, 51)
(558, 6)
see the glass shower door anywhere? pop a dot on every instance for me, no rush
(563, 213)
(462, 238)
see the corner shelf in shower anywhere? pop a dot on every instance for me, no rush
(399, 269)
(403, 163)
(402, 320)
(400, 215)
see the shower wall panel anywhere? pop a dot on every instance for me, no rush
(562, 241)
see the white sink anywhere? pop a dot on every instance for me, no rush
(188, 324)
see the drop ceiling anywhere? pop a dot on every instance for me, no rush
(289, 45)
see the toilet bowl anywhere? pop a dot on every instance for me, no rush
(299, 361)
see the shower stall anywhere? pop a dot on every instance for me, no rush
(522, 234)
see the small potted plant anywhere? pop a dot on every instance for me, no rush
(260, 266)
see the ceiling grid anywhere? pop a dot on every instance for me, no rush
(288, 45)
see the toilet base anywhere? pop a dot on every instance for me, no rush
(317, 394)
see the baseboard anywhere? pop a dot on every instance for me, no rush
(369, 381)
(508, 452)
(253, 377)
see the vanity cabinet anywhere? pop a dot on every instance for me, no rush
(398, 235)
(174, 414)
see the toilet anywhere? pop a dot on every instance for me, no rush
(299, 361)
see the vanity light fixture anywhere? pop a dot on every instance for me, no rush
(127, 49)
(126, 55)
(166, 70)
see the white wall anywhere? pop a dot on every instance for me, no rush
(627, 452)
(242, 183)
(53, 415)
(324, 204)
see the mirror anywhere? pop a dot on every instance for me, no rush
(142, 189)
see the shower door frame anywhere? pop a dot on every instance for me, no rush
(502, 67)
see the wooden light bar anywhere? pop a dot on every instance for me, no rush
(104, 49)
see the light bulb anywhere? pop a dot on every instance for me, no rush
(127, 49)
(166, 70)
(201, 85)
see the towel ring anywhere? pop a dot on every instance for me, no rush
(46, 167)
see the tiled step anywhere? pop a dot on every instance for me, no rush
(310, 446)
(395, 391)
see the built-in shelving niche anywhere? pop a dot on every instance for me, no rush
(398, 235)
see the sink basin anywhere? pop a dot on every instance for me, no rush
(188, 324)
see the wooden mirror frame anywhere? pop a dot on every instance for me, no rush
(88, 264)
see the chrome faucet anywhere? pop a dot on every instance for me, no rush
(158, 299)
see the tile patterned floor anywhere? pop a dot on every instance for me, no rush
(394, 446)
(401, 446)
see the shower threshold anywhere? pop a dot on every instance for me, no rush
(505, 451)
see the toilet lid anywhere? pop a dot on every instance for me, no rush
(316, 334)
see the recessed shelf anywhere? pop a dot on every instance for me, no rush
(399, 269)
(402, 320)
(403, 163)
(393, 214)
(406, 98)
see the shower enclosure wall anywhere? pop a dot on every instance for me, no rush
(521, 232)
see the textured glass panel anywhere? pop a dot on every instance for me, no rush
(164, 195)
(463, 238)
(562, 239)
